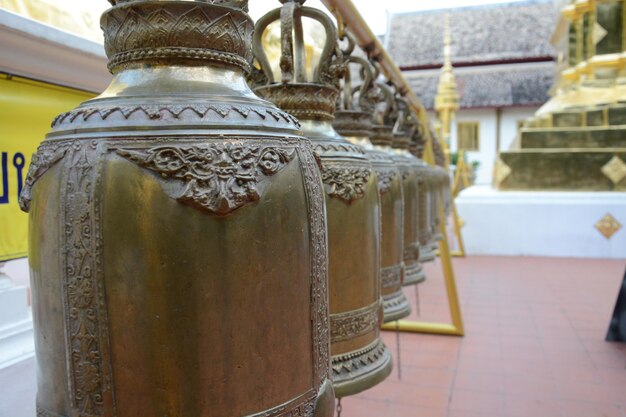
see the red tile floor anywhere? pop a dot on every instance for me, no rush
(534, 347)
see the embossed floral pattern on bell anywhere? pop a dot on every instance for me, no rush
(351, 190)
(177, 233)
(217, 178)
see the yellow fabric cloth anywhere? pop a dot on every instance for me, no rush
(26, 110)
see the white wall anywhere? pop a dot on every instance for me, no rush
(508, 123)
(540, 223)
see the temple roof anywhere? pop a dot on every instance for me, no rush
(489, 86)
(503, 32)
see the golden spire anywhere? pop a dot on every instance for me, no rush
(447, 98)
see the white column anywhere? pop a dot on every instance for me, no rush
(16, 324)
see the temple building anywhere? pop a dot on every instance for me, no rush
(501, 79)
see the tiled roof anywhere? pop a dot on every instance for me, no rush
(496, 32)
(490, 86)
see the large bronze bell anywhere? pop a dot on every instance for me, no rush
(359, 357)
(177, 234)
(413, 171)
(353, 120)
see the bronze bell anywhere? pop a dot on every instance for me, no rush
(413, 172)
(439, 192)
(177, 234)
(353, 120)
(359, 357)
(428, 208)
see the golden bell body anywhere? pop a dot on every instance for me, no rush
(428, 210)
(410, 169)
(177, 235)
(360, 359)
(356, 127)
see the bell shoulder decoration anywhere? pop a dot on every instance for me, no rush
(178, 248)
(359, 357)
(354, 121)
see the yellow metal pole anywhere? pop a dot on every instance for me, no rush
(455, 328)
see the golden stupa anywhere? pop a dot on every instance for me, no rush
(577, 140)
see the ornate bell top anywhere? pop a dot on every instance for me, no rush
(416, 145)
(177, 65)
(384, 117)
(164, 32)
(403, 128)
(307, 98)
(357, 102)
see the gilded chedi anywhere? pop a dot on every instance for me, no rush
(577, 140)
(354, 121)
(177, 234)
(359, 357)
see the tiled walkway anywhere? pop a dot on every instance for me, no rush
(534, 347)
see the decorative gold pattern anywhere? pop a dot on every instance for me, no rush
(358, 361)
(175, 111)
(193, 32)
(391, 276)
(385, 179)
(345, 182)
(46, 156)
(217, 177)
(304, 101)
(502, 170)
(599, 33)
(348, 325)
(303, 405)
(608, 226)
(84, 304)
(615, 169)
(319, 261)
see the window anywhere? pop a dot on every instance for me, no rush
(468, 134)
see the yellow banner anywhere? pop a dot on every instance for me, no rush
(26, 110)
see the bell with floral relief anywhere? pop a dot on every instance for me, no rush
(309, 89)
(354, 121)
(178, 250)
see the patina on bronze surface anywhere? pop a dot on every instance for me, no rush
(177, 234)
(359, 357)
(353, 120)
